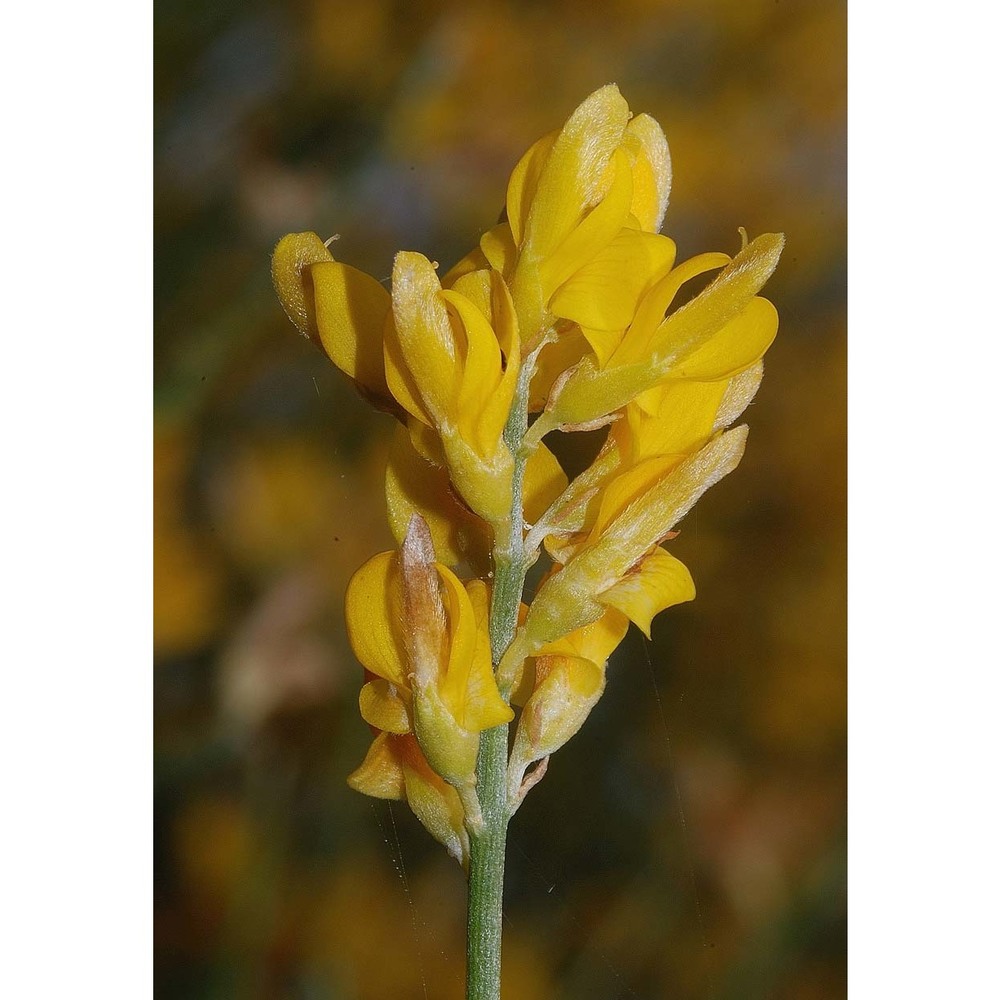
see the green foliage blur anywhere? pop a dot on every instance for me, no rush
(690, 842)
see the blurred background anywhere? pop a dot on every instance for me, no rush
(690, 841)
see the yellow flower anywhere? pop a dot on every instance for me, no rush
(444, 360)
(414, 485)
(665, 452)
(620, 563)
(583, 208)
(423, 635)
(395, 768)
(718, 334)
(452, 358)
(657, 431)
(560, 686)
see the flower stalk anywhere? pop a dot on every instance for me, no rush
(486, 870)
(488, 848)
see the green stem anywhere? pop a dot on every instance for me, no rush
(487, 848)
(486, 862)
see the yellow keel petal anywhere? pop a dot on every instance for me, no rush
(660, 581)
(381, 772)
(740, 344)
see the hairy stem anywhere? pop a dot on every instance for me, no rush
(486, 862)
(488, 847)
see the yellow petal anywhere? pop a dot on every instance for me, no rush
(739, 393)
(484, 397)
(394, 768)
(631, 484)
(651, 171)
(484, 707)
(649, 402)
(524, 183)
(544, 482)
(594, 232)
(650, 311)
(381, 772)
(604, 293)
(382, 707)
(524, 685)
(291, 267)
(737, 346)
(503, 319)
(474, 260)
(573, 176)
(435, 803)
(567, 688)
(439, 633)
(462, 631)
(424, 333)
(645, 521)
(603, 342)
(477, 288)
(483, 482)
(450, 749)
(489, 293)
(351, 308)
(567, 600)
(374, 613)
(426, 442)
(415, 486)
(564, 602)
(595, 642)
(530, 303)
(495, 409)
(682, 333)
(660, 581)
(554, 359)
(400, 380)
(683, 420)
(450, 710)
(498, 247)
(589, 393)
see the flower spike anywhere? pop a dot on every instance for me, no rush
(566, 309)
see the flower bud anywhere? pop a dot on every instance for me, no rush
(566, 681)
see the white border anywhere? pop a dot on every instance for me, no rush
(923, 501)
(76, 411)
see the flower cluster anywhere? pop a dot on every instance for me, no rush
(564, 318)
